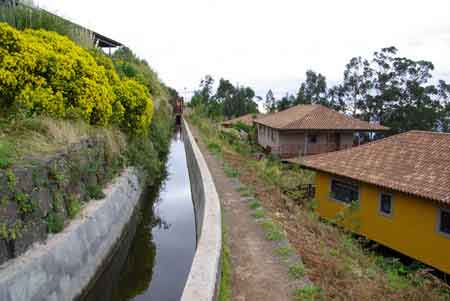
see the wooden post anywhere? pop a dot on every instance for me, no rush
(305, 152)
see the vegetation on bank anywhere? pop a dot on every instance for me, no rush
(340, 265)
(71, 119)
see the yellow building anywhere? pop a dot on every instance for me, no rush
(395, 191)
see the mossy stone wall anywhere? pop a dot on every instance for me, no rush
(41, 198)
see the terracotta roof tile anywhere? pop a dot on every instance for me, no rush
(316, 117)
(415, 162)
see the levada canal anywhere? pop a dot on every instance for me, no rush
(154, 258)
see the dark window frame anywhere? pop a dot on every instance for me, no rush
(441, 212)
(339, 194)
(380, 203)
(312, 138)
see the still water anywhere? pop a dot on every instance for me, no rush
(154, 259)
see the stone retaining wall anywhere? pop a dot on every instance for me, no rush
(41, 197)
(62, 267)
(204, 278)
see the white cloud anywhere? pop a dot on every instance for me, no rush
(266, 44)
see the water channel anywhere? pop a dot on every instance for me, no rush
(154, 258)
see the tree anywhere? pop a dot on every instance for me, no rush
(313, 90)
(336, 98)
(395, 91)
(356, 86)
(286, 102)
(206, 86)
(270, 103)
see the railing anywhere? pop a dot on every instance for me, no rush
(292, 150)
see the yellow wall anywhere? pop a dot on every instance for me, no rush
(411, 230)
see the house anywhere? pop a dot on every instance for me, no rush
(310, 129)
(246, 119)
(401, 188)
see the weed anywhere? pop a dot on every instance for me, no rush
(55, 222)
(230, 171)
(284, 251)
(95, 192)
(297, 271)
(6, 154)
(73, 206)
(4, 201)
(246, 191)
(13, 231)
(214, 148)
(308, 292)
(11, 178)
(24, 203)
(272, 230)
(255, 204)
(259, 213)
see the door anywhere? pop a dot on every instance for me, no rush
(337, 140)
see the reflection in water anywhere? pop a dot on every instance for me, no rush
(161, 252)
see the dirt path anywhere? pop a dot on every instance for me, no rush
(257, 273)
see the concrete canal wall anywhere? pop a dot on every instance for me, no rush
(204, 277)
(62, 267)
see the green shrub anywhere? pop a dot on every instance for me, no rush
(95, 192)
(55, 222)
(73, 206)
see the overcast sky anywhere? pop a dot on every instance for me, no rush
(265, 43)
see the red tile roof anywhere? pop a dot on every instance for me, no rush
(415, 162)
(316, 117)
(245, 119)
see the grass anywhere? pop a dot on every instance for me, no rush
(272, 230)
(24, 140)
(259, 213)
(7, 153)
(308, 292)
(297, 271)
(340, 265)
(255, 204)
(74, 206)
(285, 252)
(246, 191)
(230, 171)
(226, 272)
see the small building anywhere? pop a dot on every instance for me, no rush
(246, 119)
(310, 129)
(401, 188)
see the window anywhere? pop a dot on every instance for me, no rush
(344, 191)
(444, 221)
(385, 203)
(312, 138)
(273, 139)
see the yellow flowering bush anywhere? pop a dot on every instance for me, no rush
(42, 72)
(138, 110)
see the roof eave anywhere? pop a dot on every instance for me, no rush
(312, 168)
